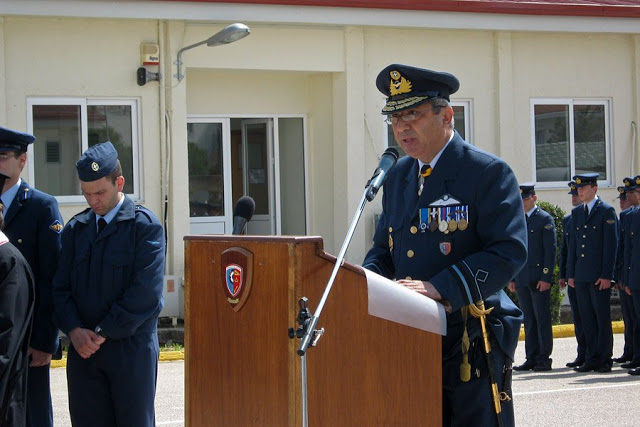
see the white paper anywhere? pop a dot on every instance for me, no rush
(396, 303)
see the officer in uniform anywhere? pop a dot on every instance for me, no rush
(108, 294)
(590, 269)
(562, 282)
(452, 229)
(33, 224)
(533, 283)
(632, 285)
(628, 201)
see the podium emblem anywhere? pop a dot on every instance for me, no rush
(233, 275)
(237, 274)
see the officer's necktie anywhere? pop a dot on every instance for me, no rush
(586, 210)
(425, 171)
(101, 224)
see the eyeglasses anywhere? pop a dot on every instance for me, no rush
(407, 118)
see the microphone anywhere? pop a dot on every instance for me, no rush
(242, 213)
(387, 161)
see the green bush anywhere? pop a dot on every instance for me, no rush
(556, 295)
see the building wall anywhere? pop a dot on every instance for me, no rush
(326, 73)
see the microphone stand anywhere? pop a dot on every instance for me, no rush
(307, 321)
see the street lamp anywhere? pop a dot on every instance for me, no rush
(228, 34)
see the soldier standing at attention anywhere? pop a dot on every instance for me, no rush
(533, 283)
(562, 282)
(33, 224)
(591, 266)
(630, 358)
(452, 229)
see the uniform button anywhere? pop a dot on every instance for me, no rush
(413, 229)
(583, 246)
(410, 253)
(408, 278)
(531, 231)
(537, 265)
(585, 226)
(584, 236)
(582, 255)
(19, 240)
(390, 229)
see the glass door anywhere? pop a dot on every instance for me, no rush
(252, 174)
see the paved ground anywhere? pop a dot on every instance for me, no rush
(558, 398)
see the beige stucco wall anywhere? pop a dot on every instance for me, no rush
(82, 58)
(326, 73)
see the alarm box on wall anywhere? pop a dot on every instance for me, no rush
(150, 54)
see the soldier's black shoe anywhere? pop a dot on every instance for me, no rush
(623, 359)
(543, 366)
(586, 367)
(575, 363)
(630, 365)
(605, 367)
(526, 366)
(634, 371)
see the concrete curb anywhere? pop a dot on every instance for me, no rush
(564, 331)
(559, 331)
(165, 356)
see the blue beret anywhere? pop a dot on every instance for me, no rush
(406, 86)
(12, 140)
(527, 189)
(573, 190)
(97, 162)
(586, 179)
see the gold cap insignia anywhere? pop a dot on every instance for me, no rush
(95, 167)
(545, 270)
(578, 181)
(398, 84)
(637, 180)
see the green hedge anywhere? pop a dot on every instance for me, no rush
(556, 295)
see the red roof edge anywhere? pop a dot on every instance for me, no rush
(612, 9)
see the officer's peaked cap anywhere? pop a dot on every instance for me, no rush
(406, 86)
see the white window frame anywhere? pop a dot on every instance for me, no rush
(465, 103)
(571, 102)
(136, 149)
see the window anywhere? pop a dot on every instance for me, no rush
(65, 127)
(462, 118)
(570, 137)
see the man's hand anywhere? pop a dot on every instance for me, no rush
(424, 288)
(85, 341)
(627, 290)
(572, 283)
(603, 284)
(38, 358)
(562, 283)
(512, 286)
(543, 286)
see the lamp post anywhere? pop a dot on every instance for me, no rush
(228, 34)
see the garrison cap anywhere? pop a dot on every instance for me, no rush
(573, 190)
(12, 140)
(527, 189)
(623, 193)
(630, 183)
(586, 179)
(406, 86)
(97, 162)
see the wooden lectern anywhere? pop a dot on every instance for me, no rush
(242, 369)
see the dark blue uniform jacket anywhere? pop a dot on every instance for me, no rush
(623, 260)
(634, 250)
(114, 279)
(594, 243)
(541, 241)
(564, 249)
(489, 251)
(33, 225)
